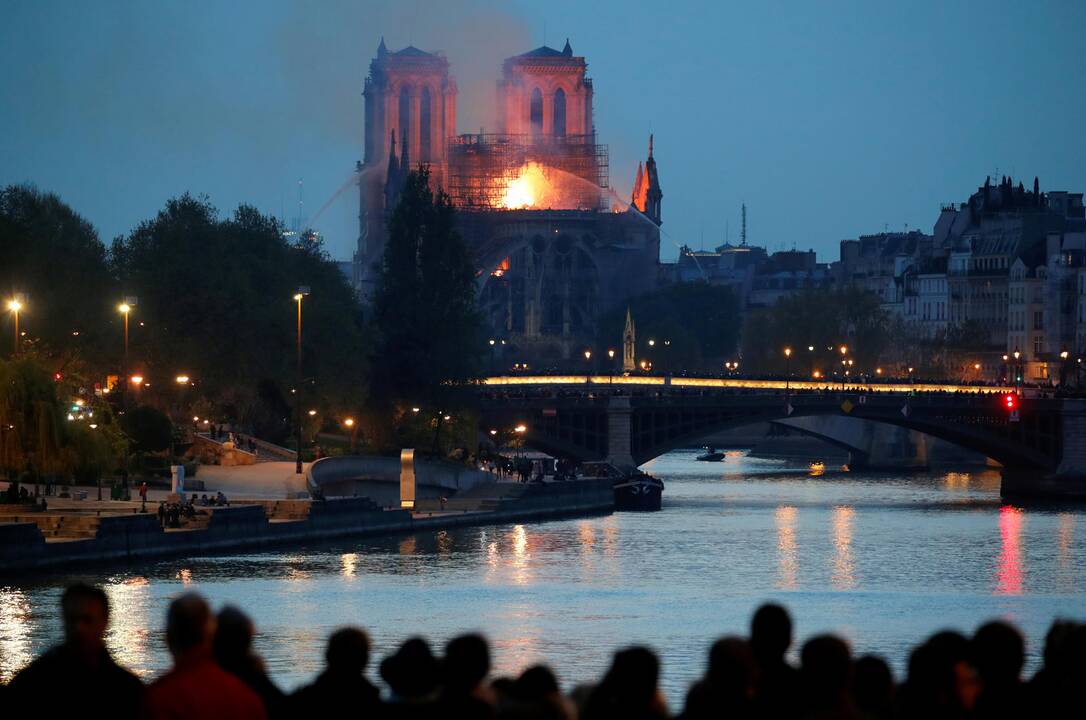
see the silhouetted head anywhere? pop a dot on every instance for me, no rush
(732, 668)
(872, 683)
(826, 665)
(770, 632)
(233, 637)
(535, 683)
(998, 652)
(348, 651)
(466, 663)
(190, 626)
(85, 609)
(633, 676)
(941, 677)
(411, 672)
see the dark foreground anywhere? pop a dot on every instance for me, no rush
(216, 673)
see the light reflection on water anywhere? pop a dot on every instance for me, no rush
(884, 559)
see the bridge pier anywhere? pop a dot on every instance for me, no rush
(618, 431)
(1069, 480)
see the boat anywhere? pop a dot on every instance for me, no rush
(634, 490)
(711, 454)
(639, 492)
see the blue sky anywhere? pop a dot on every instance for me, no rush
(828, 119)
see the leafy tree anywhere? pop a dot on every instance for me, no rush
(428, 333)
(215, 300)
(824, 319)
(54, 257)
(700, 323)
(149, 429)
(31, 425)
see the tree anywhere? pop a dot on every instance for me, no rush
(215, 300)
(824, 319)
(148, 428)
(699, 321)
(53, 256)
(31, 425)
(428, 333)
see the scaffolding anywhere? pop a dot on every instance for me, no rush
(482, 166)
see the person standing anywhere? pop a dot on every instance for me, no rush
(196, 687)
(94, 685)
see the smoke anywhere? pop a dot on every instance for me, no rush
(327, 47)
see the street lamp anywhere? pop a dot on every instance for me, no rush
(787, 369)
(182, 379)
(303, 291)
(1017, 370)
(349, 423)
(610, 366)
(16, 304)
(844, 349)
(125, 308)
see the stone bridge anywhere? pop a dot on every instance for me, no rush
(1043, 451)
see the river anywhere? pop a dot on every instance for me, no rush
(883, 559)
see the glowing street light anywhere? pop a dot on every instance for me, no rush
(312, 413)
(302, 292)
(844, 349)
(611, 353)
(520, 429)
(17, 302)
(137, 380)
(587, 354)
(787, 369)
(182, 379)
(652, 343)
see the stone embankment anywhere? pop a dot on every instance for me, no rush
(67, 538)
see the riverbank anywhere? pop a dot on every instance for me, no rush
(33, 541)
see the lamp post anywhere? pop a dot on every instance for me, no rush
(302, 292)
(15, 305)
(610, 366)
(125, 308)
(1063, 367)
(349, 422)
(787, 369)
(1017, 371)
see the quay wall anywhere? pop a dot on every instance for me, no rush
(138, 537)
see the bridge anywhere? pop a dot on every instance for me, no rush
(631, 420)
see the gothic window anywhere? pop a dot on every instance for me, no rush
(424, 126)
(535, 112)
(560, 113)
(405, 120)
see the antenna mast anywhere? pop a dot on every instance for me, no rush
(743, 232)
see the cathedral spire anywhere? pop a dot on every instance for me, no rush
(629, 361)
(382, 49)
(638, 197)
(567, 50)
(650, 146)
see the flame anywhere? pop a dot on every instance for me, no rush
(530, 189)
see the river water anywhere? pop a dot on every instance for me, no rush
(881, 559)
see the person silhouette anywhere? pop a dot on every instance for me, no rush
(343, 683)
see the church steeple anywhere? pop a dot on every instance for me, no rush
(629, 361)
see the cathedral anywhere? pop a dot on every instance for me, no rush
(554, 246)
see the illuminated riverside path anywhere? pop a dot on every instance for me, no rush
(629, 420)
(884, 559)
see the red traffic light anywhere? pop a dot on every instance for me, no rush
(1010, 401)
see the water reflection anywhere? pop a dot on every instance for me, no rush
(14, 632)
(786, 517)
(522, 573)
(349, 563)
(957, 482)
(1066, 534)
(185, 576)
(130, 636)
(843, 577)
(1010, 571)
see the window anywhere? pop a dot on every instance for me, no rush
(560, 112)
(535, 112)
(1038, 319)
(425, 141)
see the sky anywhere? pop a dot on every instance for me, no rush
(827, 119)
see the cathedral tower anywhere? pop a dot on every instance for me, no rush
(545, 93)
(408, 93)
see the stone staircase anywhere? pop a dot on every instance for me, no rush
(57, 527)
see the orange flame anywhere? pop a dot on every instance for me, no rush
(529, 190)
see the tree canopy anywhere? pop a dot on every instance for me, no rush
(215, 302)
(698, 321)
(824, 319)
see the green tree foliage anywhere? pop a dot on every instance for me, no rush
(31, 419)
(54, 257)
(215, 300)
(824, 319)
(428, 337)
(148, 428)
(699, 321)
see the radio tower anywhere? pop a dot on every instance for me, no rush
(743, 232)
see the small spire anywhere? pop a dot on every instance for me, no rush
(382, 49)
(567, 50)
(650, 146)
(392, 144)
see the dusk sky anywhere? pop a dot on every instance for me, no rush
(828, 119)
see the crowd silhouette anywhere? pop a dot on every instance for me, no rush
(217, 674)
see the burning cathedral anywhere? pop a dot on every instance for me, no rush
(553, 245)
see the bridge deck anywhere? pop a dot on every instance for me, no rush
(742, 383)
